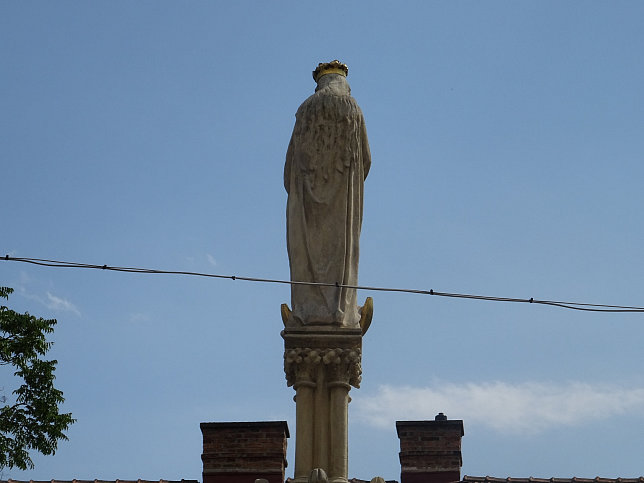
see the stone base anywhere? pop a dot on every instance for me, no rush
(322, 336)
(322, 363)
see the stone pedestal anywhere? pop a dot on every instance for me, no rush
(322, 363)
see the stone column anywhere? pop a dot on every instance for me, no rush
(304, 400)
(339, 417)
(322, 363)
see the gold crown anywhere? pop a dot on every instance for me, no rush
(333, 67)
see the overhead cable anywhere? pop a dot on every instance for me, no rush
(566, 305)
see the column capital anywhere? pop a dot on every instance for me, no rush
(342, 365)
(337, 350)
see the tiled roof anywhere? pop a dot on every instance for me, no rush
(491, 479)
(351, 480)
(98, 481)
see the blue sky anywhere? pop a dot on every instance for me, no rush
(507, 151)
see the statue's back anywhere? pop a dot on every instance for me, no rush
(326, 164)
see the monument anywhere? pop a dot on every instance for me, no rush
(327, 161)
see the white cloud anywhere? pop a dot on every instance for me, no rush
(139, 317)
(24, 278)
(30, 296)
(527, 407)
(211, 259)
(63, 305)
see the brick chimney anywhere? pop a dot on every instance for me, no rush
(243, 452)
(430, 451)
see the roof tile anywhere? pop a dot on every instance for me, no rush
(574, 479)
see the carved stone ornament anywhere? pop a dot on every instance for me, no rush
(343, 365)
(333, 67)
(318, 475)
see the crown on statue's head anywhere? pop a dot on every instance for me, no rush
(333, 67)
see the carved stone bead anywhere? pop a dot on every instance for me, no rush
(318, 475)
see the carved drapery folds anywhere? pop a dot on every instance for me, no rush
(327, 162)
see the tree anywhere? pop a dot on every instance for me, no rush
(32, 421)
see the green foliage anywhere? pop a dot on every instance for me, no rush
(32, 422)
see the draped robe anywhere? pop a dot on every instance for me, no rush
(327, 161)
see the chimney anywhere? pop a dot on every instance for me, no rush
(430, 451)
(244, 451)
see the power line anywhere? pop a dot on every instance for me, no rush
(566, 305)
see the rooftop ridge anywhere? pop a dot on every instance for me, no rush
(11, 480)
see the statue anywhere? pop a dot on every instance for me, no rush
(327, 161)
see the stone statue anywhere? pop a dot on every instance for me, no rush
(327, 161)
